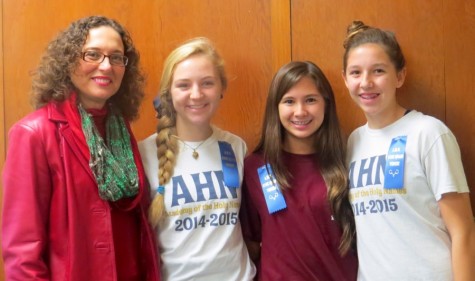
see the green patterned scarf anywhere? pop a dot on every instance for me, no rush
(113, 163)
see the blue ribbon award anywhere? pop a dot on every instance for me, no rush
(229, 164)
(394, 170)
(274, 198)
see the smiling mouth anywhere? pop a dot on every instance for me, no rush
(368, 96)
(197, 106)
(102, 81)
(301, 123)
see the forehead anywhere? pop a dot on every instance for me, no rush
(195, 66)
(104, 37)
(368, 52)
(304, 87)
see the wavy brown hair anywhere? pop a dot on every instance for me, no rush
(166, 144)
(328, 143)
(52, 81)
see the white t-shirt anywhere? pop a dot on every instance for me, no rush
(200, 238)
(401, 235)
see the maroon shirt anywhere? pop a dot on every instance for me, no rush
(300, 242)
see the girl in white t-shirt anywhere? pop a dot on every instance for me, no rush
(195, 171)
(407, 185)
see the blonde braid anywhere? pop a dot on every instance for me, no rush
(166, 154)
(167, 146)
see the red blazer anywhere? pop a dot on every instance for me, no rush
(54, 224)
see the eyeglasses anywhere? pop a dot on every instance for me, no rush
(97, 57)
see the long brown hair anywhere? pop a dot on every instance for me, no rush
(328, 143)
(52, 81)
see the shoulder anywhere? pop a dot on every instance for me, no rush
(235, 141)
(148, 141)
(35, 131)
(226, 135)
(148, 154)
(426, 126)
(36, 121)
(253, 161)
(429, 122)
(148, 146)
(356, 134)
(414, 123)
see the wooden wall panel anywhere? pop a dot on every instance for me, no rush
(2, 125)
(2, 97)
(252, 36)
(281, 34)
(240, 29)
(255, 39)
(319, 28)
(437, 38)
(459, 42)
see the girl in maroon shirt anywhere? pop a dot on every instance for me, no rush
(296, 216)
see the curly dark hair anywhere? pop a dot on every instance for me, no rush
(52, 81)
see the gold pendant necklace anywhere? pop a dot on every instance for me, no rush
(195, 153)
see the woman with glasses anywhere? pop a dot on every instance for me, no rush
(74, 194)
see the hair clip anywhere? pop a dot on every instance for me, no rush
(161, 189)
(157, 106)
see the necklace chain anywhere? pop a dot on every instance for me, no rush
(195, 153)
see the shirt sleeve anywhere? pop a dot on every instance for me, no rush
(26, 202)
(444, 168)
